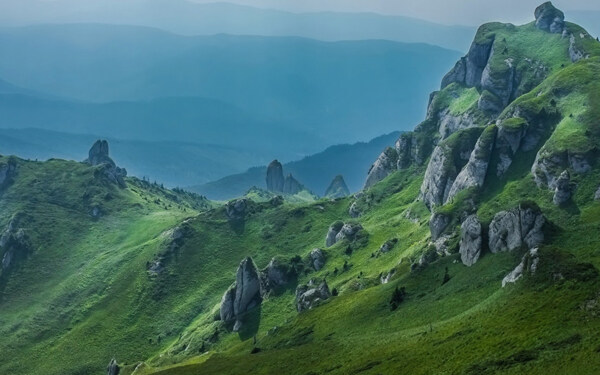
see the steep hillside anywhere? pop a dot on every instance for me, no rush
(472, 250)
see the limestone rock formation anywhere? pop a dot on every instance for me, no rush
(309, 296)
(291, 185)
(385, 164)
(337, 188)
(469, 69)
(348, 232)
(522, 226)
(470, 240)
(276, 274)
(332, 233)
(236, 209)
(14, 243)
(474, 172)
(113, 368)
(275, 178)
(99, 155)
(529, 263)
(438, 224)
(317, 259)
(563, 190)
(354, 211)
(438, 180)
(550, 19)
(244, 294)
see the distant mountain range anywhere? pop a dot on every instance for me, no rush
(280, 97)
(316, 171)
(188, 18)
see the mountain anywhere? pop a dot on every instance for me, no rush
(315, 171)
(188, 18)
(145, 84)
(477, 253)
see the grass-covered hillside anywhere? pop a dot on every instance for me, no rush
(474, 250)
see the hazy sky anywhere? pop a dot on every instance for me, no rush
(472, 12)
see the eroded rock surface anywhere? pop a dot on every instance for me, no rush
(385, 164)
(243, 295)
(317, 259)
(550, 19)
(236, 209)
(510, 230)
(471, 240)
(563, 190)
(529, 263)
(310, 296)
(99, 156)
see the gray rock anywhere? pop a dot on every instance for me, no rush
(337, 188)
(113, 368)
(353, 211)
(317, 259)
(501, 85)
(348, 232)
(236, 209)
(407, 149)
(449, 124)
(291, 185)
(332, 233)
(470, 240)
(469, 69)
(574, 52)
(387, 277)
(8, 171)
(276, 274)
(438, 179)
(529, 263)
(597, 195)
(509, 230)
(385, 164)
(98, 155)
(388, 245)
(548, 167)
(563, 190)
(14, 243)
(275, 178)
(474, 172)
(438, 224)
(309, 297)
(550, 19)
(508, 142)
(244, 294)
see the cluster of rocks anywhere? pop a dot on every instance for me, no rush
(337, 188)
(509, 230)
(550, 171)
(236, 209)
(311, 295)
(243, 295)
(277, 183)
(14, 243)
(99, 156)
(339, 231)
(529, 263)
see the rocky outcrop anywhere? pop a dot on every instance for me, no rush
(388, 245)
(438, 179)
(99, 156)
(474, 172)
(275, 178)
(332, 233)
(407, 149)
(597, 195)
(113, 368)
(522, 226)
(354, 211)
(348, 232)
(317, 259)
(236, 209)
(310, 296)
(172, 239)
(14, 244)
(275, 275)
(548, 167)
(511, 133)
(549, 19)
(438, 224)
(337, 188)
(8, 170)
(243, 295)
(291, 185)
(529, 263)
(385, 164)
(575, 53)
(450, 124)
(471, 240)
(563, 190)
(469, 69)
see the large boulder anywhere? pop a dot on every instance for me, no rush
(98, 155)
(550, 19)
(113, 368)
(529, 263)
(243, 295)
(332, 233)
(236, 209)
(309, 296)
(522, 226)
(563, 190)
(275, 178)
(385, 164)
(276, 274)
(337, 188)
(348, 232)
(470, 240)
(317, 259)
